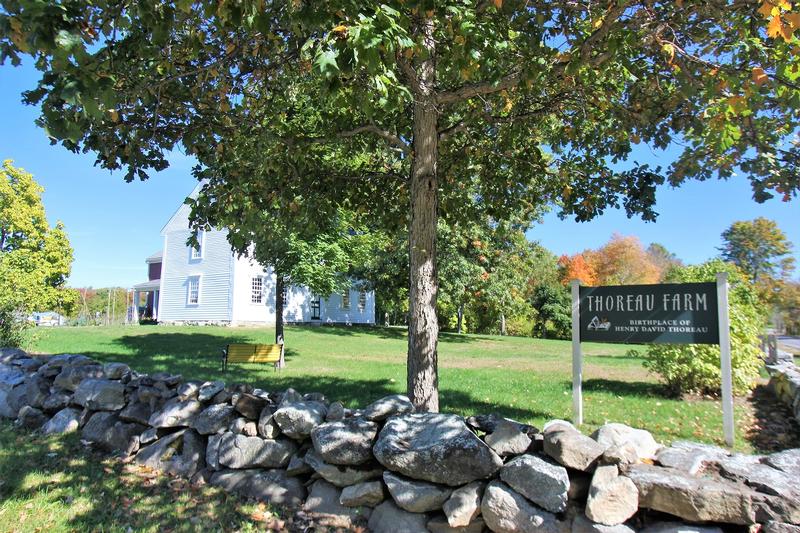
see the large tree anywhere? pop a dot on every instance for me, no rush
(412, 110)
(759, 248)
(35, 259)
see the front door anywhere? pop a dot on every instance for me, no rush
(315, 304)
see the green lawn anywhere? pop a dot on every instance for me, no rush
(526, 379)
(55, 484)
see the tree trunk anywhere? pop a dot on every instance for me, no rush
(279, 283)
(460, 317)
(502, 324)
(423, 328)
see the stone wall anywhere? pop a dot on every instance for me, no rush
(784, 381)
(396, 470)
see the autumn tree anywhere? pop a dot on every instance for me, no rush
(35, 259)
(410, 111)
(623, 261)
(663, 259)
(759, 248)
(577, 267)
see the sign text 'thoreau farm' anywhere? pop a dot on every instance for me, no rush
(680, 313)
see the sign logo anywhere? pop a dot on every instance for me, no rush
(595, 324)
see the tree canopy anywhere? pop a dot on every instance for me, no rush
(759, 248)
(405, 111)
(35, 259)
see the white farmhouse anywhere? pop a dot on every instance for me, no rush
(212, 285)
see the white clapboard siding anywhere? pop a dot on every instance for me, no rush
(215, 269)
(333, 311)
(244, 310)
(226, 285)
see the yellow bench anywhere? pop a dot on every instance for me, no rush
(253, 353)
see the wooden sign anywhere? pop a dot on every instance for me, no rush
(682, 313)
(677, 313)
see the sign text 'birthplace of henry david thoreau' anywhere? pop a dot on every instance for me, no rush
(677, 313)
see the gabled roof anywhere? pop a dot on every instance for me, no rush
(181, 215)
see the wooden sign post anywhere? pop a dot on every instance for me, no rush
(676, 313)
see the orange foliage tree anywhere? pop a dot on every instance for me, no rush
(624, 261)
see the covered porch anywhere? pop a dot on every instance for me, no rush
(145, 300)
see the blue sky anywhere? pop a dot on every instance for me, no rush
(113, 226)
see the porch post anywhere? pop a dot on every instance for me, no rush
(135, 306)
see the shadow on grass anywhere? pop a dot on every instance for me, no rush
(56, 483)
(382, 332)
(638, 389)
(774, 428)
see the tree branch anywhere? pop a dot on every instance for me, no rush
(470, 90)
(386, 135)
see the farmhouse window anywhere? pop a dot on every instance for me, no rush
(257, 290)
(362, 300)
(346, 299)
(197, 251)
(193, 290)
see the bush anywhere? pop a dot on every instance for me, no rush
(12, 329)
(696, 367)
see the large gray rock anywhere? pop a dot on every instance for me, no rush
(11, 401)
(297, 419)
(346, 442)
(572, 449)
(341, 475)
(212, 452)
(138, 412)
(214, 419)
(116, 371)
(108, 432)
(298, 466)
(761, 477)
(335, 412)
(506, 511)
(367, 494)
(100, 395)
(508, 439)
(241, 452)
(679, 527)
(72, 376)
(37, 389)
(786, 461)
(696, 499)
(176, 413)
(439, 524)
(64, 421)
(323, 504)
(542, 482)
(10, 376)
(181, 453)
(435, 447)
(267, 427)
(619, 435)
(581, 524)
(250, 405)
(270, 486)
(387, 406)
(416, 496)
(8, 354)
(388, 518)
(689, 457)
(56, 402)
(31, 418)
(613, 499)
(464, 505)
(209, 389)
